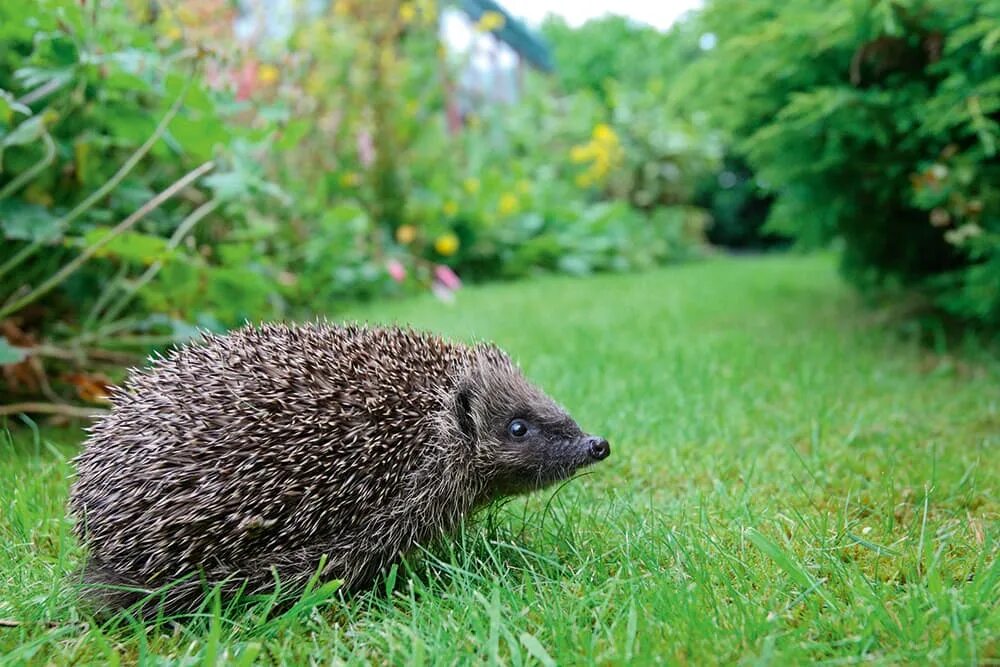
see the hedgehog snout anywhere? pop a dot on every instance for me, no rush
(597, 447)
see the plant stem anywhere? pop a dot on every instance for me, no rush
(107, 293)
(89, 251)
(49, 87)
(187, 224)
(28, 174)
(111, 183)
(52, 409)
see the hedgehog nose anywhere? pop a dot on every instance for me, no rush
(598, 447)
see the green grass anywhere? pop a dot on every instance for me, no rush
(790, 481)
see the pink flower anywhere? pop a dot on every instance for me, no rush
(396, 270)
(246, 80)
(366, 149)
(447, 277)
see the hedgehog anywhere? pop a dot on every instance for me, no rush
(258, 460)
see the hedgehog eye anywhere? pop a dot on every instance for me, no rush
(517, 428)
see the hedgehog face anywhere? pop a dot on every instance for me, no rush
(534, 448)
(522, 440)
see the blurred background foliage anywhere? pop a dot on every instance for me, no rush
(172, 165)
(871, 122)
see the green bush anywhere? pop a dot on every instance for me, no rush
(615, 53)
(98, 116)
(673, 156)
(128, 187)
(155, 175)
(874, 122)
(499, 198)
(544, 185)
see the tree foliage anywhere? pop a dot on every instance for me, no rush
(873, 121)
(616, 53)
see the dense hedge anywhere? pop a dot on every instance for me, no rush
(873, 122)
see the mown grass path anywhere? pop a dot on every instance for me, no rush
(788, 482)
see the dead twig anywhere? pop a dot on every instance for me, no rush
(80, 411)
(78, 261)
(11, 623)
(83, 354)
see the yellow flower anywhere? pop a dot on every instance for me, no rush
(490, 21)
(406, 234)
(450, 208)
(350, 179)
(407, 12)
(603, 132)
(267, 74)
(174, 32)
(471, 185)
(602, 154)
(508, 204)
(446, 244)
(581, 153)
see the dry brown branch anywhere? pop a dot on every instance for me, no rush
(83, 354)
(80, 411)
(11, 623)
(56, 279)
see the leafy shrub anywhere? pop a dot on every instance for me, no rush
(156, 175)
(126, 190)
(614, 53)
(874, 122)
(517, 201)
(96, 118)
(672, 156)
(665, 156)
(501, 197)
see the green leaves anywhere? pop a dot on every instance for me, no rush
(10, 354)
(198, 129)
(27, 132)
(130, 246)
(9, 106)
(229, 185)
(107, 122)
(843, 109)
(199, 135)
(21, 221)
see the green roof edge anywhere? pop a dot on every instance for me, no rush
(526, 42)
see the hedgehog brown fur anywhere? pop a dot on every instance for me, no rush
(254, 457)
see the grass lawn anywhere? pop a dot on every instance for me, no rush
(788, 482)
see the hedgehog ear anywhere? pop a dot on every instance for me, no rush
(463, 412)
